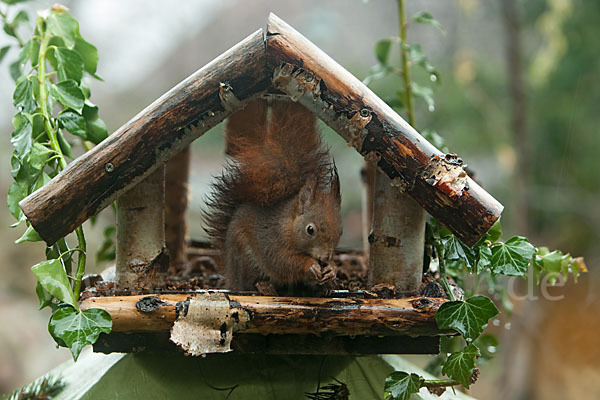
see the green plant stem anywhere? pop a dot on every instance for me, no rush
(80, 261)
(62, 163)
(405, 70)
(442, 267)
(50, 130)
(430, 383)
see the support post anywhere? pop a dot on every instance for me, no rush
(142, 258)
(367, 174)
(176, 202)
(398, 238)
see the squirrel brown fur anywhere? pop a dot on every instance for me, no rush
(275, 211)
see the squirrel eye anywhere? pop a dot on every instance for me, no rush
(310, 229)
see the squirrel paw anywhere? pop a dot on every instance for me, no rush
(329, 273)
(322, 274)
(265, 288)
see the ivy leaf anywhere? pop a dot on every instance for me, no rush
(416, 57)
(425, 93)
(69, 64)
(15, 195)
(3, 52)
(44, 297)
(16, 70)
(382, 50)
(88, 53)
(31, 167)
(23, 96)
(426, 18)
(512, 257)
(21, 137)
(68, 94)
(34, 51)
(62, 24)
(455, 250)
(76, 329)
(484, 257)
(460, 365)
(96, 128)
(73, 123)
(495, 232)
(400, 385)
(65, 146)
(30, 235)
(53, 278)
(468, 317)
(11, 2)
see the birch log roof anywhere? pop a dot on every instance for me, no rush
(279, 61)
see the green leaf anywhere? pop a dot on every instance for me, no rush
(484, 257)
(382, 50)
(512, 257)
(16, 70)
(74, 123)
(53, 278)
(31, 167)
(76, 330)
(62, 24)
(460, 365)
(425, 93)
(23, 96)
(34, 51)
(44, 297)
(65, 146)
(69, 64)
(426, 18)
(15, 195)
(30, 235)
(3, 52)
(11, 2)
(455, 250)
(495, 232)
(88, 53)
(68, 94)
(96, 128)
(469, 317)
(400, 385)
(21, 137)
(416, 57)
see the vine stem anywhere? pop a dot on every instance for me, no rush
(405, 70)
(431, 383)
(62, 163)
(442, 268)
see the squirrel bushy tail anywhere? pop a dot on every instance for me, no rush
(273, 154)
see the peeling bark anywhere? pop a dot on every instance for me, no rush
(142, 258)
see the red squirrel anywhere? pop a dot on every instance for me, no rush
(275, 211)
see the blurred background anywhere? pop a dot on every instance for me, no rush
(517, 98)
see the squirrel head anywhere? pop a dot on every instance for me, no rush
(317, 222)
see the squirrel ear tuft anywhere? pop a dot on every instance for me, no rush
(335, 183)
(306, 194)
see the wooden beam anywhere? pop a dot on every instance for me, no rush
(156, 134)
(412, 316)
(177, 176)
(436, 181)
(142, 259)
(397, 240)
(121, 342)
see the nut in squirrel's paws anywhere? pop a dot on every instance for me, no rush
(322, 273)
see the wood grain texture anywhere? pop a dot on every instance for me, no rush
(310, 76)
(412, 316)
(156, 134)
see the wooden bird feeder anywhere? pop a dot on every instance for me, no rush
(133, 165)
